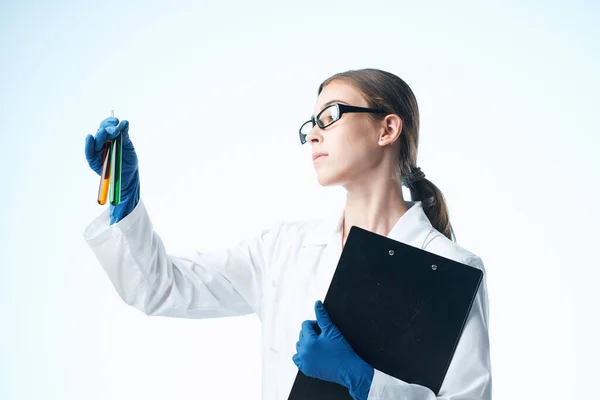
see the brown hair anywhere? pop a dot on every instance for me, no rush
(391, 94)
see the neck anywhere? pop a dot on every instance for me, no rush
(376, 207)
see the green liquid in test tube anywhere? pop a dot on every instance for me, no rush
(115, 168)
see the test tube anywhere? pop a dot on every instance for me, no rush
(105, 173)
(115, 170)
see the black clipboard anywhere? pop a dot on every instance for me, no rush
(401, 308)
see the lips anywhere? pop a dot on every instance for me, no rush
(316, 156)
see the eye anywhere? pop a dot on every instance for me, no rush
(335, 114)
(329, 115)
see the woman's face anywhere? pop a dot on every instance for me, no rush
(351, 146)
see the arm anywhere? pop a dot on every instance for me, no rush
(205, 285)
(469, 376)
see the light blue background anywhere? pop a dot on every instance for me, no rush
(215, 93)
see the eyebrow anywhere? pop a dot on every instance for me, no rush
(330, 102)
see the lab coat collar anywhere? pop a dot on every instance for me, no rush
(412, 228)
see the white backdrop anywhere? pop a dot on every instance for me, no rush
(215, 94)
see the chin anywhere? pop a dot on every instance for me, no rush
(326, 180)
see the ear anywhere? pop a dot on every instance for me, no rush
(392, 127)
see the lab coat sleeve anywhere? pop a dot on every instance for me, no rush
(202, 285)
(469, 375)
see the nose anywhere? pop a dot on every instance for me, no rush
(315, 135)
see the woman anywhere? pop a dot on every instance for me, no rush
(364, 136)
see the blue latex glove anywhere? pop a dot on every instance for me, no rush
(329, 357)
(109, 129)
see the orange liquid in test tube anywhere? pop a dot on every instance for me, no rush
(105, 175)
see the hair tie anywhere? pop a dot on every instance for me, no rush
(415, 175)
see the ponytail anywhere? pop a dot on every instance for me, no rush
(432, 199)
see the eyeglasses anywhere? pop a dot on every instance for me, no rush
(330, 115)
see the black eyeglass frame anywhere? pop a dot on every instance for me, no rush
(342, 109)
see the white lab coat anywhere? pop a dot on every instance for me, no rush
(279, 274)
